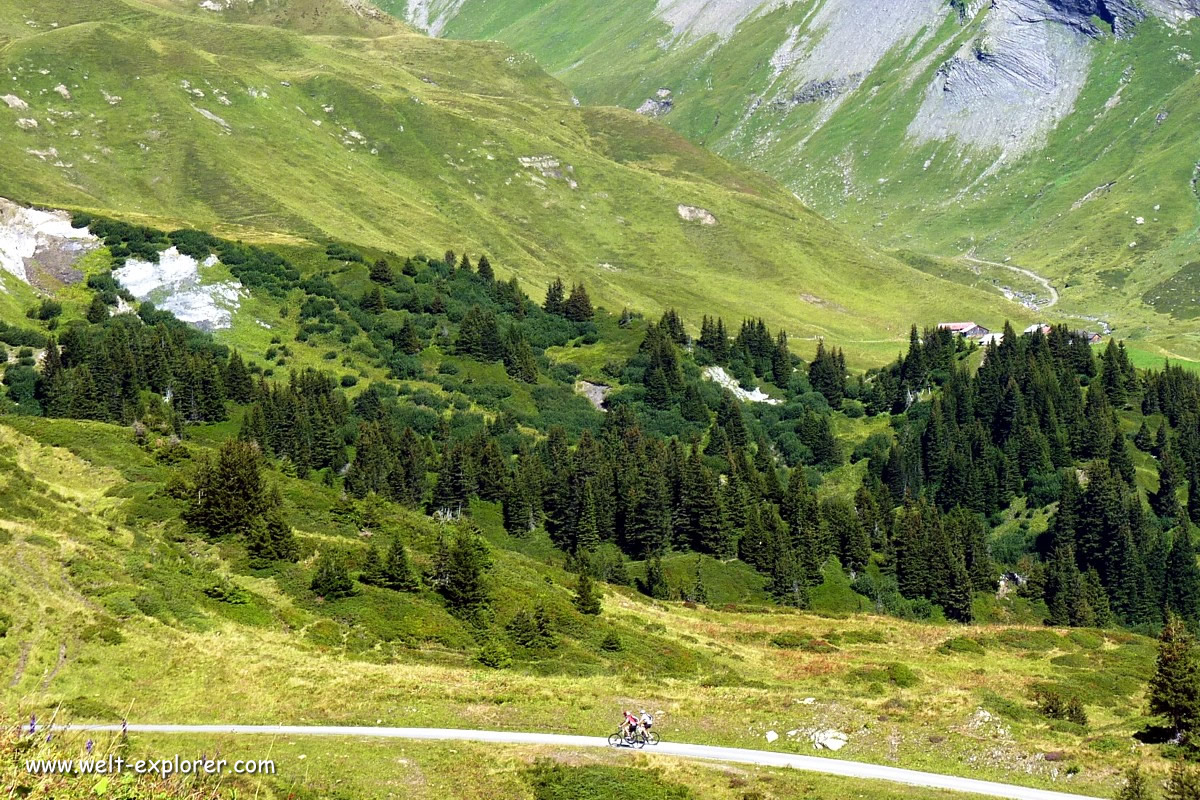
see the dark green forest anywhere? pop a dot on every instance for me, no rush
(673, 462)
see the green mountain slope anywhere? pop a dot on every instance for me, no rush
(402, 142)
(1025, 131)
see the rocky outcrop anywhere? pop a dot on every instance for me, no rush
(696, 214)
(1009, 86)
(659, 105)
(818, 91)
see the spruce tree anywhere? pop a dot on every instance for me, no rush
(587, 598)
(229, 495)
(97, 311)
(1119, 459)
(1174, 691)
(655, 584)
(1143, 440)
(381, 272)
(238, 385)
(372, 571)
(460, 573)
(331, 579)
(519, 361)
(395, 571)
(1165, 501)
(578, 307)
(485, 269)
(555, 298)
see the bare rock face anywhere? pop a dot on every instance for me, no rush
(1009, 86)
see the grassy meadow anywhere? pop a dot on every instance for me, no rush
(114, 612)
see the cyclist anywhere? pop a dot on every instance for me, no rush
(647, 721)
(629, 724)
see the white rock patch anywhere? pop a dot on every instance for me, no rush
(174, 284)
(12, 101)
(25, 231)
(722, 378)
(695, 214)
(64, 91)
(829, 740)
(27, 124)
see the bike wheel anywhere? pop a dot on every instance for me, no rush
(639, 741)
(652, 738)
(615, 740)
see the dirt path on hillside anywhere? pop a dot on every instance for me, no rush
(1045, 284)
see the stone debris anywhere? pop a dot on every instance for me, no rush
(27, 124)
(174, 284)
(594, 392)
(12, 101)
(828, 740)
(64, 91)
(719, 376)
(771, 736)
(33, 240)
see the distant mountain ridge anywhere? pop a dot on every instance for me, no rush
(1036, 130)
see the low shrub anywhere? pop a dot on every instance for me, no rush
(961, 645)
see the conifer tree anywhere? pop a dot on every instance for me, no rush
(331, 579)
(1174, 690)
(655, 584)
(578, 307)
(464, 264)
(395, 571)
(1143, 440)
(229, 495)
(372, 301)
(408, 339)
(485, 269)
(691, 406)
(1165, 501)
(238, 385)
(587, 598)
(97, 311)
(1193, 494)
(555, 298)
(827, 374)
(519, 361)
(372, 571)
(381, 272)
(459, 573)
(1120, 460)
(781, 361)
(698, 593)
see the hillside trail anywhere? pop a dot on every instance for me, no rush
(828, 766)
(1026, 272)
